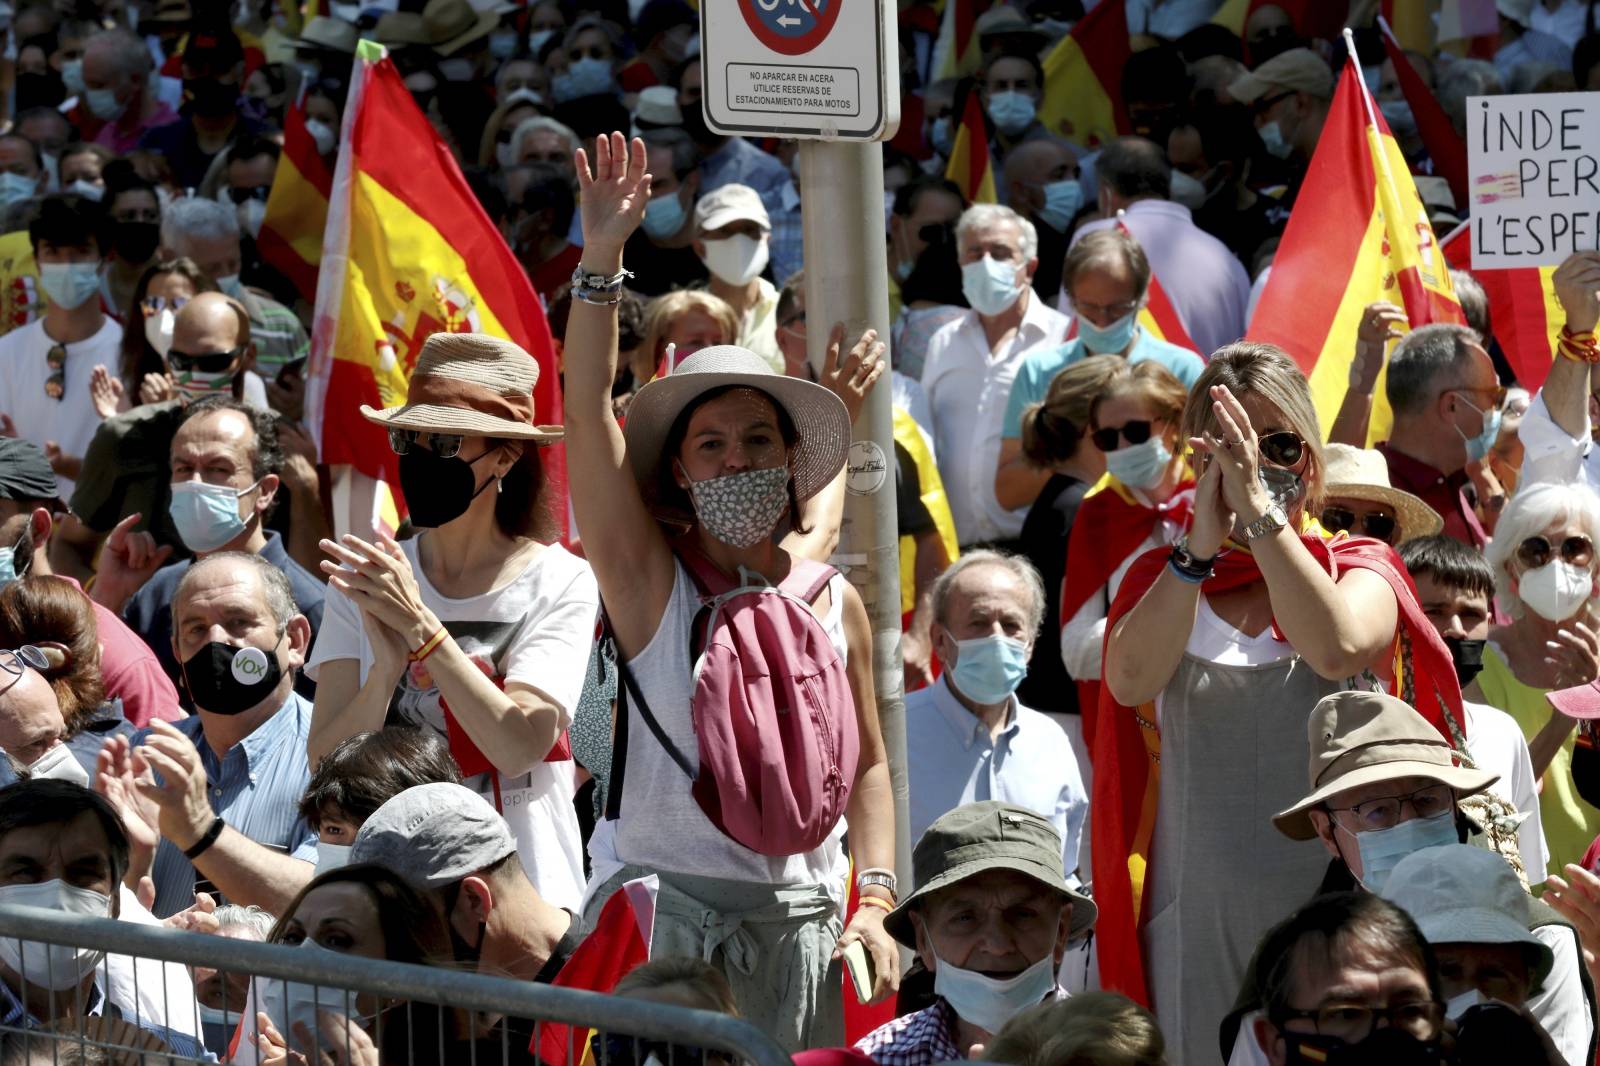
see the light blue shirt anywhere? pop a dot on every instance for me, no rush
(1042, 365)
(255, 788)
(953, 761)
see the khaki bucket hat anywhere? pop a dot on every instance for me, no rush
(978, 837)
(1358, 738)
(473, 385)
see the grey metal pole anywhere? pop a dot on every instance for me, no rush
(847, 281)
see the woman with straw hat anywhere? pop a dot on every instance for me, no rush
(480, 626)
(714, 456)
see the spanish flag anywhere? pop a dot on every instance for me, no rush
(1445, 146)
(408, 252)
(1358, 234)
(1524, 313)
(956, 51)
(1083, 78)
(1310, 18)
(970, 166)
(297, 207)
(619, 941)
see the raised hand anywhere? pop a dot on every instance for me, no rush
(1213, 521)
(105, 389)
(1233, 448)
(852, 379)
(613, 194)
(378, 579)
(127, 561)
(1380, 324)
(1577, 285)
(115, 780)
(156, 388)
(1574, 656)
(180, 789)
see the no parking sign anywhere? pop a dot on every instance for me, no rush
(801, 68)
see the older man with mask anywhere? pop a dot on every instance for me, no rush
(1042, 186)
(223, 814)
(119, 90)
(971, 740)
(990, 918)
(31, 723)
(973, 360)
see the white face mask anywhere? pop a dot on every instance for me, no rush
(321, 134)
(1556, 591)
(287, 1002)
(158, 331)
(252, 213)
(53, 966)
(737, 260)
(1188, 191)
(58, 764)
(332, 856)
(990, 1002)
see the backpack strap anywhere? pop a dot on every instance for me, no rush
(626, 687)
(807, 578)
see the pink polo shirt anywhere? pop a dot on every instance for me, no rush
(131, 670)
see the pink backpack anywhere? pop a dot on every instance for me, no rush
(773, 714)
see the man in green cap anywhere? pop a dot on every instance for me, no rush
(990, 918)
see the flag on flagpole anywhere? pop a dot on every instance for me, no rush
(297, 207)
(1409, 22)
(1524, 313)
(1358, 234)
(619, 941)
(970, 166)
(1445, 146)
(957, 52)
(1158, 317)
(1082, 98)
(408, 252)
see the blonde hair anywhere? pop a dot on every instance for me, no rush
(1053, 430)
(698, 978)
(1247, 368)
(1148, 381)
(661, 313)
(1092, 1029)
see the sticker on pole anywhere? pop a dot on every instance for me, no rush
(866, 468)
(801, 68)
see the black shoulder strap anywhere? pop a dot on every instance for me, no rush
(627, 687)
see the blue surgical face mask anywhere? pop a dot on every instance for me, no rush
(1397, 113)
(502, 43)
(941, 136)
(206, 516)
(537, 40)
(587, 77)
(103, 104)
(989, 286)
(1382, 849)
(14, 188)
(231, 285)
(8, 561)
(1273, 141)
(69, 285)
(664, 216)
(989, 1002)
(72, 77)
(1011, 111)
(989, 669)
(1062, 202)
(1109, 340)
(1478, 447)
(1141, 466)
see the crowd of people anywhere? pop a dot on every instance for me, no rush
(1229, 737)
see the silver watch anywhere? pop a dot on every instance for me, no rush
(1272, 520)
(878, 878)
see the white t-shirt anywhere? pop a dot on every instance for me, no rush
(536, 629)
(24, 368)
(1496, 744)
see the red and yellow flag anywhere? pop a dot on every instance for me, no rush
(1410, 23)
(956, 51)
(619, 941)
(1445, 146)
(970, 166)
(408, 253)
(1158, 317)
(297, 207)
(1524, 313)
(1358, 234)
(1083, 78)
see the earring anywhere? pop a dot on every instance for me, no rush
(499, 484)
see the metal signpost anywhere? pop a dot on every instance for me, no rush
(828, 72)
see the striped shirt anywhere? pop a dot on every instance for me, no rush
(255, 788)
(277, 332)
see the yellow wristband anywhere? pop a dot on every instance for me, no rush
(875, 901)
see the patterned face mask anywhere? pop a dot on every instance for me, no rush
(740, 509)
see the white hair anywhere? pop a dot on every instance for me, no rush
(199, 218)
(253, 920)
(539, 124)
(1019, 566)
(130, 54)
(989, 214)
(1534, 509)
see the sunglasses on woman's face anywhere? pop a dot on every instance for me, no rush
(1375, 524)
(1283, 448)
(1131, 433)
(444, 445)
(1576, 550)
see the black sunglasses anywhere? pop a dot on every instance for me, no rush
(253, 192)
(1283, 448)
(55, 386)
(1576, 550)
(444, 445)
(1133, 432)
(204, 362)
(1373, 524)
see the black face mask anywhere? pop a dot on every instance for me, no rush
(210, 98)
(1467, 655)
(1384, 1047)
(437, 490)
(223, 679)
(135, 242)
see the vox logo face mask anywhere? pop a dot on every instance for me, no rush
(224, 679)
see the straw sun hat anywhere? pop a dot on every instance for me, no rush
(1352, 473)
(822, 425)
(470, 384)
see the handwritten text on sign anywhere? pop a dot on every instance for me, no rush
(1534, 164)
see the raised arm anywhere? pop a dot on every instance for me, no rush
(623, 544)
(1380, 324)
(1566, 389)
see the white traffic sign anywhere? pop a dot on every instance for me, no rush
(801, 68)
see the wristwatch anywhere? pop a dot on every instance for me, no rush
(1272, 520)
(883, 879)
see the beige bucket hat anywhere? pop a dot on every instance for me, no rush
(470, 384)
(1358, 738)
(1363, 474)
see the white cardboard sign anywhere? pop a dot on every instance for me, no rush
(1533, 164)
(801, 68)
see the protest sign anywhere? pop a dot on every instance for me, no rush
(1534, 174)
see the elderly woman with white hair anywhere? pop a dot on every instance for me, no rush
(1544, 563)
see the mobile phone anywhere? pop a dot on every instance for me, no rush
(859, 964)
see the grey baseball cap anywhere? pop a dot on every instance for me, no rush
(434, 835)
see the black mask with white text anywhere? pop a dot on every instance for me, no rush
(223, 679)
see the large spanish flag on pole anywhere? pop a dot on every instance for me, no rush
(1083, 78)
(297, 207)
(1358, 234)
(956, 51)
(408, 253)
(1445, 146)
(970, 166)
(1524, 313)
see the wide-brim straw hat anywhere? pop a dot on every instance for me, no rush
(1361, 738)
(822, 425)
(472, 385)
(1363, 474)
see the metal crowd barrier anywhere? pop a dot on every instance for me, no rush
(671, 1036)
